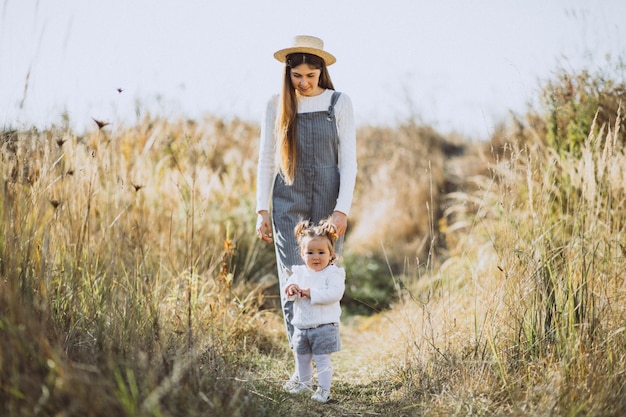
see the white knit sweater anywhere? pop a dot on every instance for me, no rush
(346, 130)
(327, 288)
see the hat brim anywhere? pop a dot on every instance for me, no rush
(281, 55)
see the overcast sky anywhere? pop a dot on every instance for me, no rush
(458, 65)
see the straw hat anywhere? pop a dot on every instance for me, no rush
(308, 45)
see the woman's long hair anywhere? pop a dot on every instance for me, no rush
(286, 122)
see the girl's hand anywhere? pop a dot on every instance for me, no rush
(305, 292)
(340, 220)
(292, 289)
(264, 226)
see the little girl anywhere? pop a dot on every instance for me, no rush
(316, 289)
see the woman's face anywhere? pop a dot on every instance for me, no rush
(305, 80)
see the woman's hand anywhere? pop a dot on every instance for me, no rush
(340, 220)
(264, 226)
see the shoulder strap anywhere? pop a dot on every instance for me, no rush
(331, 108)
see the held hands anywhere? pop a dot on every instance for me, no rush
(293, 289)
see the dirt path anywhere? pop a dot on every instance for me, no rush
(365, 352)
(362, 370)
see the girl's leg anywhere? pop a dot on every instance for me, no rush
(305, 367)
(324, 370)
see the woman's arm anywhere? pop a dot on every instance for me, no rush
(347, 153)
(265, 172)
(266, 167)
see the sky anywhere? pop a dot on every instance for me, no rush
(458, 65)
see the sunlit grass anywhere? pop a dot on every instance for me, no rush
(527, 314)
(123, 258)
(489, 276)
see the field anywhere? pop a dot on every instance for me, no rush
(484, 278)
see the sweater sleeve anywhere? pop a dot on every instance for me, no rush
(266, 167)
(293, 278)
(346, 130)
(333, 291)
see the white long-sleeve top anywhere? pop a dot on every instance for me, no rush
(327, 288)
(346, 129)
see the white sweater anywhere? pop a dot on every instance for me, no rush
(327, 288)
(267, 167)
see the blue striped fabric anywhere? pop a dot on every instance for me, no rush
(313, 194)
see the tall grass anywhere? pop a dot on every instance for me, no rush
(120, 280)
(564, 265)
(526, 317)
(132, 283)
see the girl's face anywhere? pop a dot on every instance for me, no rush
(305, 80)
(316, 253)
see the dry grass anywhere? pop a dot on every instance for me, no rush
(128, 268)
(133, 285)
(526, 317)
(410, 156)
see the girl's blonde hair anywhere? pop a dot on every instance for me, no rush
(286, 125)
(306, 230)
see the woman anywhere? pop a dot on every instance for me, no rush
(307, 158)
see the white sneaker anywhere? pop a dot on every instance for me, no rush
(292, 383)
(321, 395)
(300, 387)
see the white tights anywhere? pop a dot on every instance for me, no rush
(324, 369)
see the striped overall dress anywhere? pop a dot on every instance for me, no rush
(312, 196)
